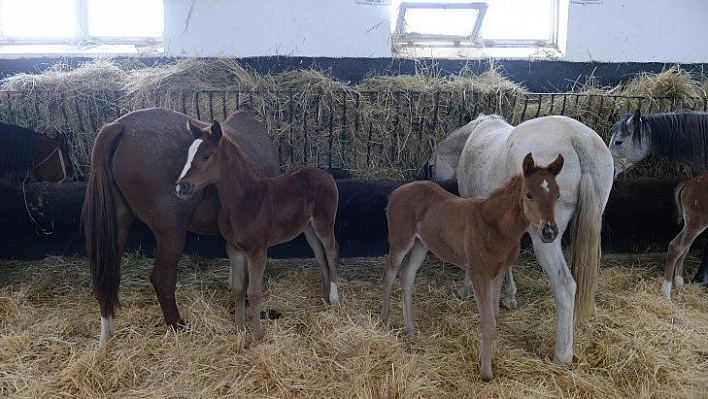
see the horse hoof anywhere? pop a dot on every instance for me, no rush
(270, 314)
(461, 293)
(510, 304)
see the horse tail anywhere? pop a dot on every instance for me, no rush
(586, 229)
(677, 200)
(585, 250)
(99, 222)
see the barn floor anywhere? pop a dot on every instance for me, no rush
(638, 344)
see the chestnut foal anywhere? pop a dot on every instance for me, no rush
(481, 235)
(259, 212)
(691, 198)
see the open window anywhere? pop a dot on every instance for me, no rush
(493, 28)
(80, 26)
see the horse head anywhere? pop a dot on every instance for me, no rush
(540, 192)
(199, 170)
(629, 142)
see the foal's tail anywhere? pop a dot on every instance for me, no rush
(98, 221)
(677, 200)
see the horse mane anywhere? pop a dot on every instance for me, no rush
(18, 145)
(679, 135)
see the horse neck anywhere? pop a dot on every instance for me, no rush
(504, 208)
(679, 136)
(237, 176)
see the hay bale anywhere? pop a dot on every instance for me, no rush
(382, 127)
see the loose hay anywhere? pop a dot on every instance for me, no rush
(638, 345)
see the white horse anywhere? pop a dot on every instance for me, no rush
(486, 152)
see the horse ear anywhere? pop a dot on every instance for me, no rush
(556, 166)
(529, 164)
(635, 119)
(196, 130)
(216, 131)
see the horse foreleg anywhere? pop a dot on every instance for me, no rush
(256, 269)
(164, 274)
(238, 280)
(563, 287)
(416, 256)
(484, 296)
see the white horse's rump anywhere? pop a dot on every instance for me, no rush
(487, 151)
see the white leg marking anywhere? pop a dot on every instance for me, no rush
(190, 156)
(333, 294)
(679, 281)
(666, 289)
(107, 330)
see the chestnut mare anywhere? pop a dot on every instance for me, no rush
(258, 212)
(22, 150)
(135, 162)
(691, 198)
(481, 235)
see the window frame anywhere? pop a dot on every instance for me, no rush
(81, 41)
(441, 47)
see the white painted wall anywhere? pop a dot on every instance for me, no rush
(613, 31)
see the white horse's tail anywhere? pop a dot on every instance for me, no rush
(586, 229)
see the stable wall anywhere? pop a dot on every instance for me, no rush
(615, 31)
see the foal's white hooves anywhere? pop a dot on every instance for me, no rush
(678, 280)
(666, 289)
(333, 294)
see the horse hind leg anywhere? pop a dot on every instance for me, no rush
(416, 256)
(678, 249)
(397, 253)
(509, 301)
(326, 250)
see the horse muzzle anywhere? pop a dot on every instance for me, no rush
(549, 232)
(184, 189)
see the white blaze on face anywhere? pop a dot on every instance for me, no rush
(190, 156)
(544, 185)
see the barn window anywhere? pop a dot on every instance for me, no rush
(80, 26)
(492, 28)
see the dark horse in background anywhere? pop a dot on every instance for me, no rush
(135, 163)
(679, 136)
(23, 150)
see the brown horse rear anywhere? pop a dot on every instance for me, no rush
(481, 235)
(691, 200)
(135, 161)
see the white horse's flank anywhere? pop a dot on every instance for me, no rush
(486, 152)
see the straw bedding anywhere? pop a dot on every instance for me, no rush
(638, 345)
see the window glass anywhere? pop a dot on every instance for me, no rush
(125, 18)
(38, 18)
